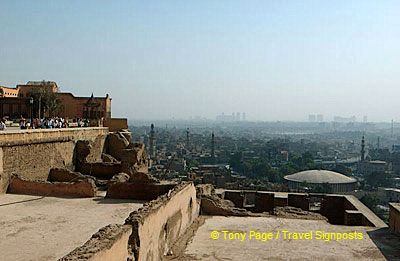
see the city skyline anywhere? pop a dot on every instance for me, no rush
(276, 61)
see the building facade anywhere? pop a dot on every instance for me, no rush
(15, 102)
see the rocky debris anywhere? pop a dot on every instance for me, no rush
(116, 144)
(214, 205)
(81, 188)
(64, 175)
(143, 177)
(134, 163)
(132, 156)
(127, 134)
(293, 212)
(120, 177)
(81, 151)
(108, 158)
(205, 190)
(101, 170)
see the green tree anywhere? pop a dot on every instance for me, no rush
(376, 179)
(45, 102)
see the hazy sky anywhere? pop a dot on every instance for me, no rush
(163, 59)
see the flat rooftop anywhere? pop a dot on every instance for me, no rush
(376, 244)
(48, 228)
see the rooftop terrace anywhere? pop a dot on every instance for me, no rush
(376, 244)
(48, 228)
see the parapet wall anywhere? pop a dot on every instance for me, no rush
(339, 209)
(394, 217)
(32, 153)
(148, 233)
(109, 243)
(159, 224)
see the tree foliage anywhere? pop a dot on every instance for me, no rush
(45, 101)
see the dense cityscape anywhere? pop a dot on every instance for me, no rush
(258, 155)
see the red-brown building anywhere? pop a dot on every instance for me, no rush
(15, 102)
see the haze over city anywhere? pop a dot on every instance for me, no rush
(274, 60)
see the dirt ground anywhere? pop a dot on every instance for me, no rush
(376, 244)
(47, 228)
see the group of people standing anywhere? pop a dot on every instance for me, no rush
(50, 123)
(3, 125)
(47, 123)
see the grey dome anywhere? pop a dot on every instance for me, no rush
(319, 176)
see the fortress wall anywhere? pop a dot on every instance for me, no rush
(32, 153)
(158, 225)
(109, 243)
(81, 189)
(394, 217)
(148, 233)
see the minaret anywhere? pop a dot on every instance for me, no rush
(152, 143)
(392, 128)
(212, 147)
(363, 149)
(187, 138)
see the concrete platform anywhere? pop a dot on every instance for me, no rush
(47, 228)
(376, 244)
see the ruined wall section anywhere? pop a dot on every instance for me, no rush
(160, 223)
(32, 153)
(109, 243)
(148, 233)
(394, 217)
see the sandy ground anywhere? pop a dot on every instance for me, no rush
(47, 228)
(377, 244)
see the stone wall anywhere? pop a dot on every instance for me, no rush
(32, 153)
(394, 217)
(299, 201)
(109, 243)
(235, 196)
(85, 188)
(116, 124)
(158, 225)
(137, 191)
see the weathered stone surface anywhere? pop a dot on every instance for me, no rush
(32, 153)
(134, 163)
(214, 205)
(142, 177)
(205, 190)
(138, 191)
(81, 151)
(158, 225)
(127, 134)
(64, 175)
(108, 158)
(81, 189)
(101, 170)
(120, 177)
(116, 143)
(109, 243)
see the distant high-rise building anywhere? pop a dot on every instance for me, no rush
(365, 119)
(238, 116)
(320, 118)
(311, 118)
(243, 116)
(226, 118)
